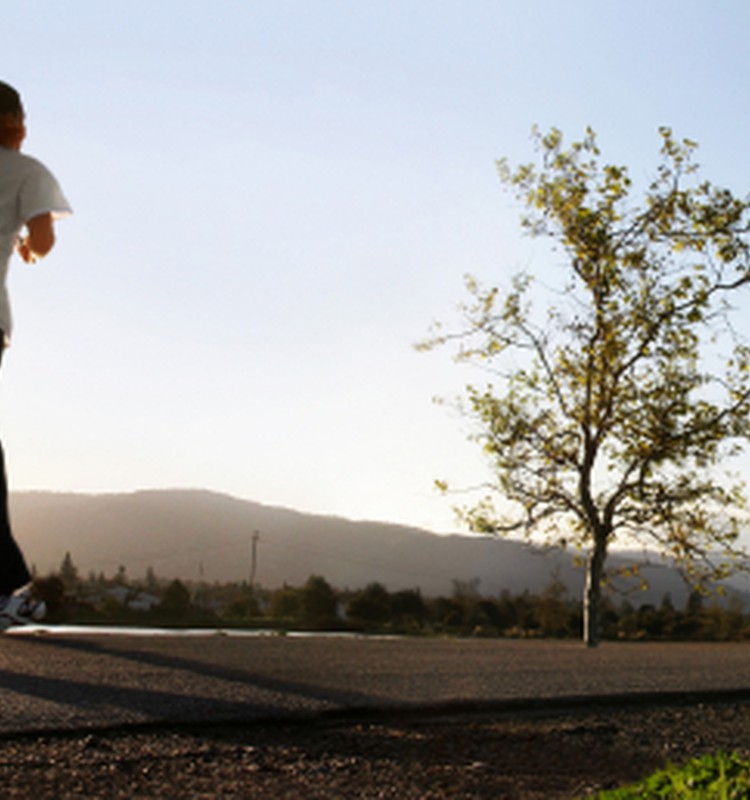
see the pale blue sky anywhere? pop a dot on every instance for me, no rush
(275, 199)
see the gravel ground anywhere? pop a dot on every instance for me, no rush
(135, 716)
(562, 753)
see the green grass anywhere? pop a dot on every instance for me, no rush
(711, 777)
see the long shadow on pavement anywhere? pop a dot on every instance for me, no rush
(166, 705)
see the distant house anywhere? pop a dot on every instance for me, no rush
(143, 601)
(133, 599)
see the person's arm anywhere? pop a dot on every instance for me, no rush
(39, 240)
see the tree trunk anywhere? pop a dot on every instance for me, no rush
(592, 594)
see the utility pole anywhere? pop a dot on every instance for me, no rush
(254, 558)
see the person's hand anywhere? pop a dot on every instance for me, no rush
(23, 250)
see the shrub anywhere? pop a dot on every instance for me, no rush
(711, 777)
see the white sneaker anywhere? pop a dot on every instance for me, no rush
(20, 609)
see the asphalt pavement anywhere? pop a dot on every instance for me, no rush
(54, 679)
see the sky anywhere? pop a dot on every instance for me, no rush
(275, 199)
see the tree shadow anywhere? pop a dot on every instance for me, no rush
(182, 699)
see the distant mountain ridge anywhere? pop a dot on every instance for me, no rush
(196, 534)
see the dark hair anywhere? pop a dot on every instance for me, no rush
(10, 100)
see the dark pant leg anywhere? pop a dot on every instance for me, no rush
(13, 570)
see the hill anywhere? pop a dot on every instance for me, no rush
(194, 534)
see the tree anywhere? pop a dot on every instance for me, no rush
(151, 582)
(552, 607)
(319, 603)
(121, 577)
(409, 608)
(176, 599)
(610, 415)
(52, 591)
(371, 605)
(68, 573)
(245, 606)
(286, 604)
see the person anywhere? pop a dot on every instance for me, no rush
(30, 200)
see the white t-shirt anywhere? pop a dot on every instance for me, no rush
(27, 189)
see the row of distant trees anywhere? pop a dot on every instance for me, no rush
(317, 605)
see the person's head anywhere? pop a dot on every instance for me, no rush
(12, 125)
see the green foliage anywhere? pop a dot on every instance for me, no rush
(286, 605)
(176, 599)
(319, 603)
(68, 573)
(318, 606)
(245, 607)
(409, 611)
(610, 416)
(52, 591)
(371, 606)
(712, 777)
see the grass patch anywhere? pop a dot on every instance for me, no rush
(713, 777)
